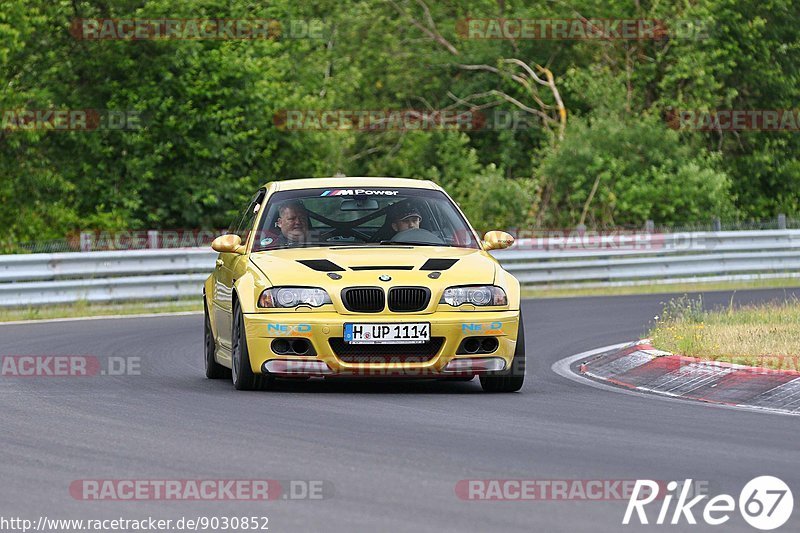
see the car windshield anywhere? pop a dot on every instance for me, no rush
(368, 216)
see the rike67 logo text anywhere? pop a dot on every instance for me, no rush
(765, 503)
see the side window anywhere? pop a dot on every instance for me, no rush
(232, 229)
(446, 223)
(246, 220)
(440, 224)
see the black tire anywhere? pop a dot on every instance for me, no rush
(214, 370)
(510, 380)
(242, 373)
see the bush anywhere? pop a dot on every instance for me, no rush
(643, 171)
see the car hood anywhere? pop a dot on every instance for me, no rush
(407, 265)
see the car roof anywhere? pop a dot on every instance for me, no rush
(340, 182)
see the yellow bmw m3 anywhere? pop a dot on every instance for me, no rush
(360, 277)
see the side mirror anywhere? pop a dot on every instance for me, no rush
(494, 240)
(231, 244)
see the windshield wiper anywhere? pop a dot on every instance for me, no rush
(411, 243)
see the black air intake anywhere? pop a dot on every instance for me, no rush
(385, 353)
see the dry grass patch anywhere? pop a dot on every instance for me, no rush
(766, 335)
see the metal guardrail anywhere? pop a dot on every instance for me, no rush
(583, 260)
(42, 267)
(644, 259)
(42, 279)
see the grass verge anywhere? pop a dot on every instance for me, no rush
(85, 309)
(677, 288)
(764, 335)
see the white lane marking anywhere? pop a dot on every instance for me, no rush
(101, 317)
(770, 392)
(562, 368)
(623, 364)
(694, 376)
(792, 390)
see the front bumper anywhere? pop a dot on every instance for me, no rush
(319, 328)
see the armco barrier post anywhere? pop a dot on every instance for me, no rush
(86, 241)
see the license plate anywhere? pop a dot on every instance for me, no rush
(395, 333)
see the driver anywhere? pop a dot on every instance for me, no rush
(293, 222)
(405, 216)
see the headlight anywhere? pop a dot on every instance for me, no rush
(479, 295)
(293, 296)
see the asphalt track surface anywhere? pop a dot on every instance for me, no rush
(392, 452)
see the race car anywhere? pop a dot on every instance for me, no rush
(360, 277)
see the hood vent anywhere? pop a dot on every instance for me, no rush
(321, 265)
(389, 267)
(438, 264)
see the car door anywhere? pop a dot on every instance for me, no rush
(225, 268)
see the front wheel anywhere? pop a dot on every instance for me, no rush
(241, 372)
(510, 380)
